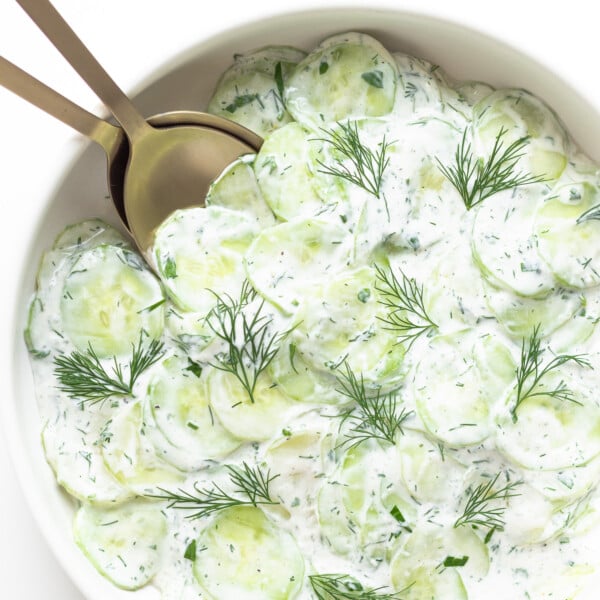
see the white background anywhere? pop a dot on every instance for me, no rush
(131, 36)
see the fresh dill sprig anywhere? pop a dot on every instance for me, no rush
(403, 298)
(376, 416)
(336, 586)
(251, 488)
(531, 372)
(250, 343)
(477, 179)
(591, 214)
(83, 377)
(366, 166)
(484, 506)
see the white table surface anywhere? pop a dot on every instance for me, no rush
(569, 40)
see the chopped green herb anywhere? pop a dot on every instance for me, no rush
(170, 269)
(374, 78)
(194, 368)
(190, 551)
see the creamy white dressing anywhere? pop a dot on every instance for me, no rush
(483, 279)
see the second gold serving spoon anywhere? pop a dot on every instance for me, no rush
(163, 164)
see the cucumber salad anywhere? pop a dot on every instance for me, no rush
(367, 369)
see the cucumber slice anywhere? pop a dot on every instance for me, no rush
(530, 517)
(242, 555)
(473, 92)
(418, 90)
(37, 343)
(505, 246)
(568, 246)
(454, 293)
(88, 234)
(340, 323)
(296, 458)
(129, 455)
(518, 314)
(565, 485)
(567, 433)
(178, 401)
(300, 381)
(124, 543)
(429, 474)
(288, 174)
(246, 420)
(237, 189)
(284, 262)
(197, 250)
(72, 444)
(250, 91)
(347, 76)
(108, 298)
(522, 115)
(455, 391)
(418, 565)
(44, 328)
(351, 514)
(188, 330)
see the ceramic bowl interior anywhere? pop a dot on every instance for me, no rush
(186, 82)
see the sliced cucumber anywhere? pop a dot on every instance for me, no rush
(250, 91)
(427, 471)
(530, 517)
(340, 323)
(178, 400)
(351, 514)
(519, 314)
(568, 246)
(297, 460)
(567, 433)
(44, 326)
(455, 389)
(347, 75)
(418, 565)
(200, 249)
(88, 234)
(285, 261)
(242, 555)
(418, 90)
(109, 297)
(123, 543)
(522, 115)
(505, 246)
(74, 452)
(473, 92)
(129, 455)
(237, 189)
(244, 419)
(453, 294)
(288, 174)
(302, 382)
(565, 485)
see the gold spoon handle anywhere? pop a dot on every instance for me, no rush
(56, 29)
(37, 93)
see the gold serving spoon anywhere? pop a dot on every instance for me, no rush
(160, 164)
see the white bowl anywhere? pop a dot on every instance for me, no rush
(79, 191)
